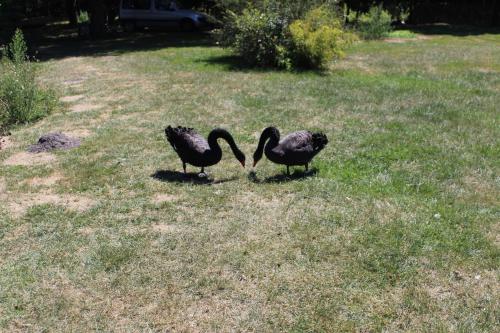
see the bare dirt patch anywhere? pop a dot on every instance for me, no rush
(17, 232)
(21, 203)
(80, 133)
(405, 40)
(45, 181)
(481, 188)
(358, 62)
(3, 186)
(29, 159)
(480, 287)
(71, 99)
(85, 107)
(165, 228)
(114, 98)
(486, 70)
(5, 142)
(86, 231)
(74, 82)
(494, 234)
(398, 40)
(164, 197)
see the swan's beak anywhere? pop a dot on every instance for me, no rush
(254, 163)
(243, 164)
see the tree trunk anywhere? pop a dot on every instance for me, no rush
(97, 15)
(495, 17)
(71, 12)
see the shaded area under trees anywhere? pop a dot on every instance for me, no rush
(102, 13)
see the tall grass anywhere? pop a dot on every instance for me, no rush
(21, 99)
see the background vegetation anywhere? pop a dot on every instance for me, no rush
(22, 100)
(374, 24)
(102, 13)
(271, 38)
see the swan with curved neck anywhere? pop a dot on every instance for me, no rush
(297, 148)
(193, 149)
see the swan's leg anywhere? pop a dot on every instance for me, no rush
(307, 167)
(288, 170)
(184, 166)
(202, 173)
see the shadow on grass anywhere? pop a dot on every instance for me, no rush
(449, 29)
(281, 178)
(236, 63)
(61, 41)
(191, 177)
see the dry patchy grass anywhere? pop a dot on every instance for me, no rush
(395, 230)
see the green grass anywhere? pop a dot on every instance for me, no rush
(397, 230)
(403, 34)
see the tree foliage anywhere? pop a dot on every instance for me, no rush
(374, 24)
(317, 39)
(484, 12)
(271, 37)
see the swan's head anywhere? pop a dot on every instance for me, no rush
(256, 157)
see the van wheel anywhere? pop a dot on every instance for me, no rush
(187, 25)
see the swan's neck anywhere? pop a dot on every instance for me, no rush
(220, 133)
(273, 135)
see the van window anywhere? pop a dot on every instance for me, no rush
(136, 4)
(165, 5)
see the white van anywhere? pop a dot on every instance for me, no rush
(160, 13)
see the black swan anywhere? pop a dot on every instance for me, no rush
(297, 148)
(192, 148)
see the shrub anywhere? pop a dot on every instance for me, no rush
(257, 36)
(21, 100)
(317, 39)
(375, 24)
(267, 39)
(83, 17)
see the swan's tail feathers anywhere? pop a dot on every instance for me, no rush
(177, 134)
(319, 141)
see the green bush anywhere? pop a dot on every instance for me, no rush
(375, 24)
(267, 39)
(21, 100)
(83, 17)
(317, 39)
(290, 9)
(257, 36)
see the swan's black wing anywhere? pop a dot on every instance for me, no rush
(186, 141)
(300, 147)
(297, 142)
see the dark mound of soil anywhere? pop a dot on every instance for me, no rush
(54, 141)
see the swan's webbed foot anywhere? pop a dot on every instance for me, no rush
(202, 173)
(184, 167)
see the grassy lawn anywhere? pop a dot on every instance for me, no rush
(397, 229)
